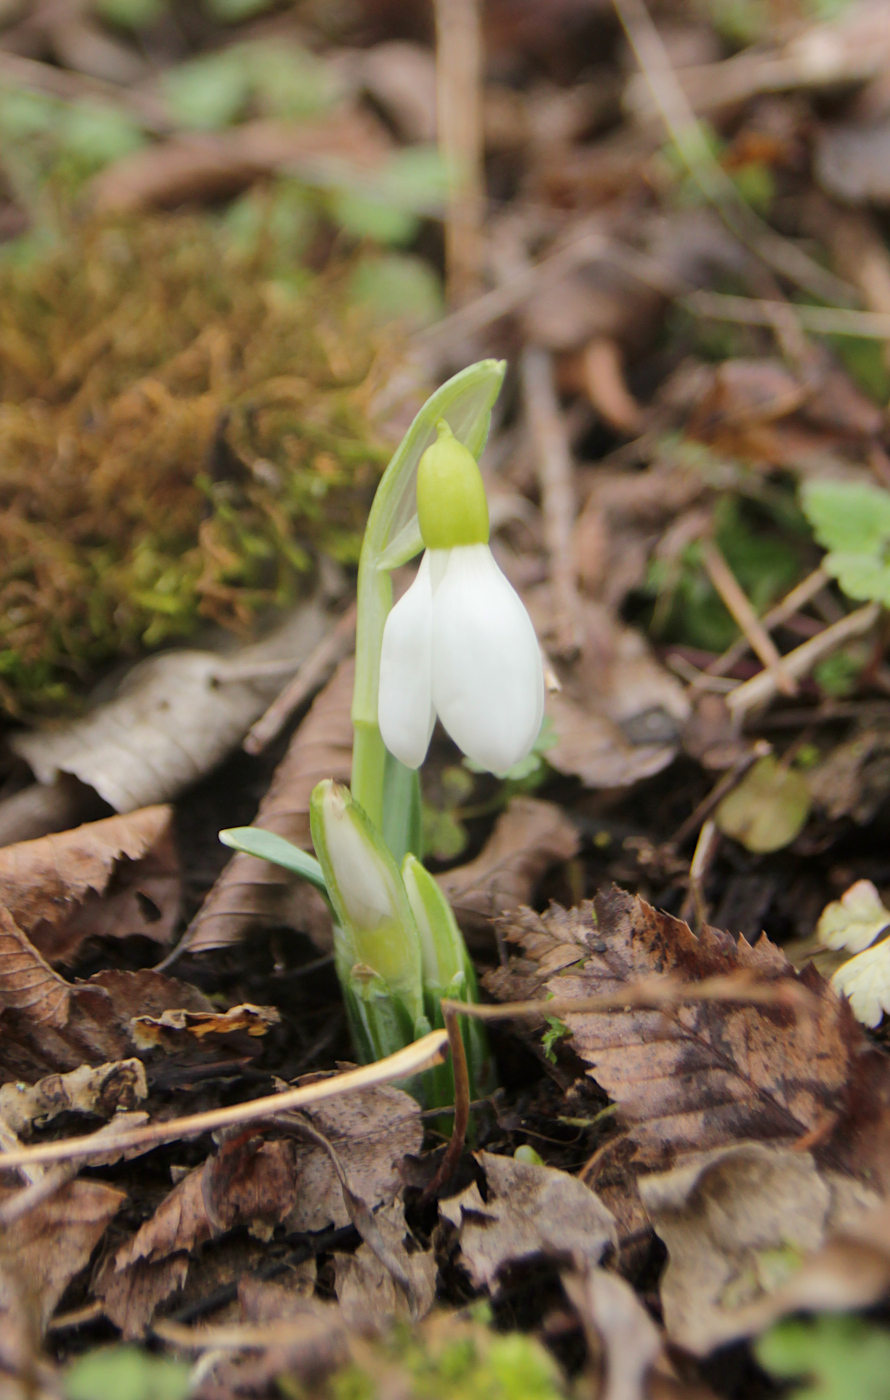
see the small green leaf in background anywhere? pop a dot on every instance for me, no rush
(208, 93)
(289, 81)
(126, 1373)
(24, 114)
(837, 1358)
(398, 287)
(768, 809)
(233, 11)
(96, 134)
(556, 1031)
(131, 14)
(852, 521)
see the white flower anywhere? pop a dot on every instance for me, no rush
(865, 981)
(460, 644)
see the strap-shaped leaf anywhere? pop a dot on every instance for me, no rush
(265, 844)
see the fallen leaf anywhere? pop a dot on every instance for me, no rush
(171, 1028)
(102, 1090)
(401, 77)
(619, 1327)
(372, 1132)
(131, 1296)
(853, 921)
(27, 982)
(250, 1183)
(113, 877)
(854, 778)
(529, 1211)
(212, 165)
(43, 1250)
(174, 717)
(366, 1289)
(768, 809)
(736, 1223)
(253, 893)
(591, 747)
(528, 837)
(705, 1074)
(852, 161)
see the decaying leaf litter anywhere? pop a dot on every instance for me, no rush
(230, 233)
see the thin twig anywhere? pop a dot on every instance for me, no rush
(448, 1164)
(760, 749)
(798, 598)
(313, 673)
(739, 605)
(760, 689)
(686, 132)
(823, 320)
(558, 503)
(702, 860)
(459, 118)
(653, 994)
(423, 1054)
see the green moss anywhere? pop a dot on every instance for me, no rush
(184, 426)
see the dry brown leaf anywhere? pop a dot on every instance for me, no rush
(591, 747)
(619, 1327)
(28, 983)
(213, 165)
(175, 1027)
(366, 1289)
(529, 1211)
(103, 1090)
(527, 839)
(254, 893)
(112, 877)
(174, 717)
(371, 1132)
(735, 1222)
(706, 1074)
(131, 1296)
(42, 1251)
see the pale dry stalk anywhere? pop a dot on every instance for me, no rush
(459, 60)
(558, 501)
(738, 604)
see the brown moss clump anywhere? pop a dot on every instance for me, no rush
(181, 429)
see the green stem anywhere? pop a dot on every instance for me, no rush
(392, 537)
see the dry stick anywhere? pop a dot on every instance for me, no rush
(798, 598)
(702, 860)
(422, 1054)
(459, 118)
(760, 689)
(313, 672)
(448, 1164)
(558, 504)
(823, 320)
(653, 994)
(685, 130)
(738, 604)
(760, 749)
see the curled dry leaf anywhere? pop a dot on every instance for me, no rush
(736, 1222)
(618, 1326)
(102, 1089)
(366, 1287)
(530, 1211)
(705, 1074)
(27, 982)
(254, 893)
(174, 1027)
(527, 839)
(174, 717)
(112, 877)
(41, 1252)
(259, 1185)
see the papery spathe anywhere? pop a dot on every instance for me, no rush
(460, 644)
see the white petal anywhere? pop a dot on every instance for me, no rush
(404, 706)
(488, 682)
(865, 980)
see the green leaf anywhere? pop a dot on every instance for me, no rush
(131, 14)
(838, 1358)
(233, 11)
(362, 216)
(863, 576)
(126, 1373)
(253, 841)
(209, 92)
(768, 809)
(398, 287)
(289, 80)
(97, 134)
(849, 517)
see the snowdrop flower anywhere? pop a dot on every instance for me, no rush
(459, 644)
